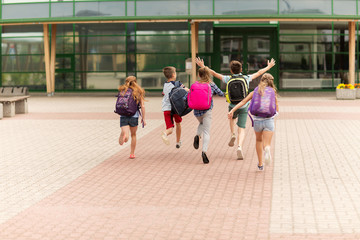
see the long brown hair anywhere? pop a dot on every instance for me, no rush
(267, 80)
(204, 75)
(138, 92)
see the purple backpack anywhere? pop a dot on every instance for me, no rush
(126, 104)
(263, 105)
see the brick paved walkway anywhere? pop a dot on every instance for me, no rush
(64, 176)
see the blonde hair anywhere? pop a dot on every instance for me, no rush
(204, 75)
(267, 80)
(138, 92)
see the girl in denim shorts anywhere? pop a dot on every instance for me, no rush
(263, 127)
(129, 124)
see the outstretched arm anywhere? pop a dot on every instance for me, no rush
(270, 64)
(200, 63)
(240, 104)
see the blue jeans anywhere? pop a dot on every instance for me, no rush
(264, 125)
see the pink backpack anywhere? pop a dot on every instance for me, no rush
(199, 96)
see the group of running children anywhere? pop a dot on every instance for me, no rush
(178, 101)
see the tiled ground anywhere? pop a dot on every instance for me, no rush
(64, 176)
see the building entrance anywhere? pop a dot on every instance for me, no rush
(251, 46)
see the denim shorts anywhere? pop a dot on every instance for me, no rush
(131, 121)
(264, 125)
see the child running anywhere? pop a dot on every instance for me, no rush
(204, 116)
(240, 116)
(265, 105)
(170, 74)
(130, 123)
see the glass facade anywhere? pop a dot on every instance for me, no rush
(99, 56)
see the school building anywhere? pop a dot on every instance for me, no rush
(92, 45)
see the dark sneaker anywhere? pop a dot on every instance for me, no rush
(205, 158)
(178, 144)
(196, 142)
(261, 168)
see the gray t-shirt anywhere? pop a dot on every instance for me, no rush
(248, 78)
(166, 105)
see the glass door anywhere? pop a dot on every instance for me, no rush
(252, 47)
(64, 71)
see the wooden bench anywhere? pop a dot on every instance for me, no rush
(13, 100)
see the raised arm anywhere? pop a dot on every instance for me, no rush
(240, 104)
(200, 63)
(270, 64)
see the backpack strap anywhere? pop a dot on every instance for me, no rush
(241, 76)
(252, 120)
(177, 84)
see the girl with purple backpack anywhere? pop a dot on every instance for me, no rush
(200, 99)
(263, 107)
(131, 94)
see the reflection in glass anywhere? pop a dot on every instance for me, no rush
(14, 46)
(23, 63)
(94, 9)
(245, 7)
(201, 7)
(156, 43)
(344, 7)
(231, 43)
(20, 11)
(35, 81)
(258, 44)
(101, 62)
(225, 60)
(156, 79)
(64, 45)
(306, 80)
(110, 80)
(156, 62)
(156, 8)
(61, 9)
(100, 44)
(313, 7)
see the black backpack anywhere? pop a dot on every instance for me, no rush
(178, 100)
(236, 89)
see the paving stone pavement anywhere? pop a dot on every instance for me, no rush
(64, 176)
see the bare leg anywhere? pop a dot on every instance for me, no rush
(259, 146)
(168, 131)
(124, 135)
(178, 132)
(267, 138)
(133, 139)
(232, 124)
(241, 136)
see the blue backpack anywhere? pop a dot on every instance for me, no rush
(178, 100)
(126, 104)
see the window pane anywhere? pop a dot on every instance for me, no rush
(345, 7)
(35, 81)
(205, 43)
(245, 7)
(64, 81)
(23, 31)
(96, 9)
(64, 29)
(23, 1)
(156, 62)
(226, 58)
(155, 43)
(306, 28)
(98, 62)
(29, 63)
(61, 9)
(157, 79)
(130, 8)
(100, 44)
(231, 43)
(101, 80)
(258, 44)
(306, 43)
(20, 11)
(162, 28)
(22, 46)
(100, 29)
(313, 7)
(64, 45)
(201, 7)
(161, 8)
(312, 80)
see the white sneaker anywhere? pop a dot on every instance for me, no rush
(232, 140)
(165, 138)
(267, 155)
(240, 155)
(178, 144)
